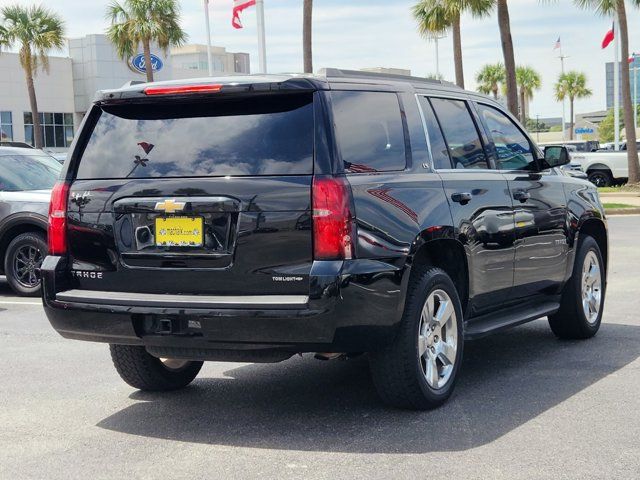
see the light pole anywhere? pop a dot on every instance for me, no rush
(634, 69)
(209, 56)
(562, 58)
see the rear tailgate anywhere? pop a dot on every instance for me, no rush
(196, 197)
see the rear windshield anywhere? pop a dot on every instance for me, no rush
(257, 135)
(28, 172)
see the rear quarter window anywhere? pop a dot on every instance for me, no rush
(369, 131)
(256, 135)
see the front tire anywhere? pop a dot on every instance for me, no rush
(419, 369)
(581, 307)
(23, 258)
(146, 372)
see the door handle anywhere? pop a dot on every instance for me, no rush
(521, 196)
(461, 197)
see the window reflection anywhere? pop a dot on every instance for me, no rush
(256, 136)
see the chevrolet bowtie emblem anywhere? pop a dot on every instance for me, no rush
(170, 206)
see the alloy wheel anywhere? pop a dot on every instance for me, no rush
(438, 339)
(591, 287)
(26, 261)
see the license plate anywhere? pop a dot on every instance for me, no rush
(179, 232)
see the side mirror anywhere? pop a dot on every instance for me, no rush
(556, 156)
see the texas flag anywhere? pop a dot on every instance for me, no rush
(239, 6)
(608, 38)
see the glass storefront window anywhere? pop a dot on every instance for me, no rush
(57, 129)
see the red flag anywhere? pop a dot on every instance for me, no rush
(239, 6)
(608, 38)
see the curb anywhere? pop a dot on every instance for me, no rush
(623, 211)
(621, 194)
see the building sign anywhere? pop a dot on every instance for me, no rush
(583, 130)
(137, 63)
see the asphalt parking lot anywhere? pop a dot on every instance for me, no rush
(526, 406)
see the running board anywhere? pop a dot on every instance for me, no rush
(511, 317)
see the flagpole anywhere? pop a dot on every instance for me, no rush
(616, 85)
(262, 49)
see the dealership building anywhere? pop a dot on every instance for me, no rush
(66, 91)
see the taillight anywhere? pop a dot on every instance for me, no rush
(333, 227)
(182, 89)
(58, 219)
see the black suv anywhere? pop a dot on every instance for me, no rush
(252, 218)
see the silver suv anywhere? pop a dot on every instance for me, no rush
(26, 178)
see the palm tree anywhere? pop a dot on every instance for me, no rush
(608, 8)
(136, 22)
(509, 59)
(307, 12)
(572, 85)
(489, 79)
(34, 30)
(528, 81)
(435, 17)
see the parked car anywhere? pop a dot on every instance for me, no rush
(26, 178)
(6, 143)
(575, 145)
(61, 157)
(253, 218)
(603, 168)
(610, 146)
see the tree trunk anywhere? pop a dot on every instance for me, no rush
(457, 51)
(147, 60)
(509, 59)
(33, 102)
(523, 108)
(307, 23)
(632, 150)
(571, 100)
(495, 93)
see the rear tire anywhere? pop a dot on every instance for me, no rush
(582, 303)
(146, 372)
(24, 256)
(419, 369)
(600, 178)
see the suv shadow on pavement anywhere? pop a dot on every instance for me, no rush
(507, 380)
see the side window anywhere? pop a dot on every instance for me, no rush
(369, 131)
(459, 129)
(438, 146)
(513, 149)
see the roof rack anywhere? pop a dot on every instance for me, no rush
(340, 73)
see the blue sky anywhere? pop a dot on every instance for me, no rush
(373, 33)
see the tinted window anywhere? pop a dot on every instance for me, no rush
(512, 147)
(28, 172)
(461, 134)
(369, 131)
(249, 136)
(437, 144)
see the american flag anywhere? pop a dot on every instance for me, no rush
(558, 44)
(238, 7)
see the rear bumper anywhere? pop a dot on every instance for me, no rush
(352, 306)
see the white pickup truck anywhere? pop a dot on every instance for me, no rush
(603, 168)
